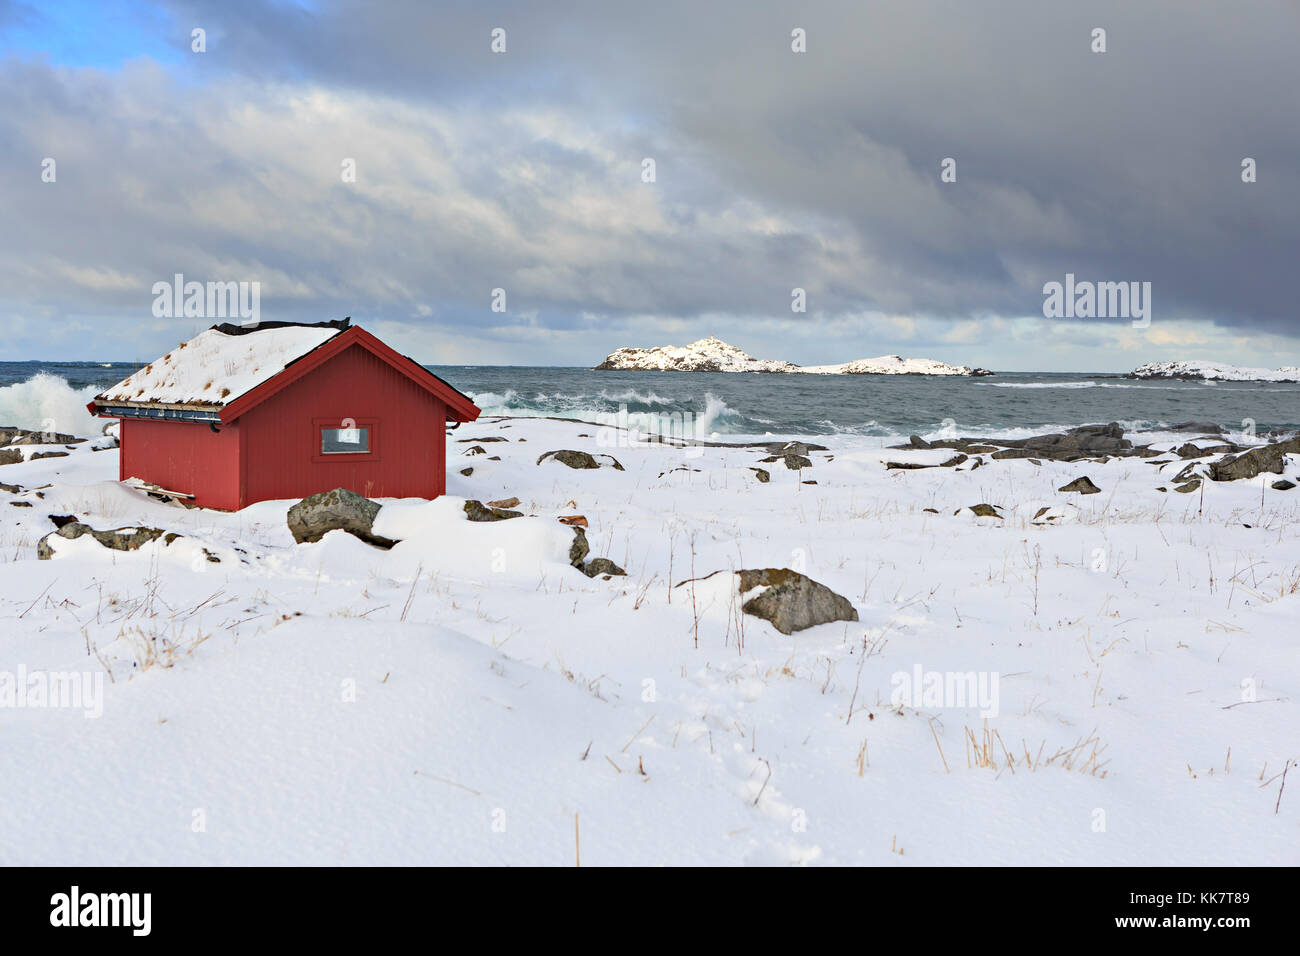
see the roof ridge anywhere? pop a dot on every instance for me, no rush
(229, 328)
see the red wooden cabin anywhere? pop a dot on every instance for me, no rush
(284, 410)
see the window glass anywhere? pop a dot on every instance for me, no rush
(342, 441)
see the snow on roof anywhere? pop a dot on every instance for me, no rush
(215, 368)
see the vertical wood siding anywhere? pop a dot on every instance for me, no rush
(184, 456)
(282, 435)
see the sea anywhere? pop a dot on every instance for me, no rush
(868, 410)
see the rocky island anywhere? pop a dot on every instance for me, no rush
(714, 355)
(1213, 372)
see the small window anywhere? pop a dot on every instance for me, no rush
(345, 441)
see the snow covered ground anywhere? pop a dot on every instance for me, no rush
(468, 697)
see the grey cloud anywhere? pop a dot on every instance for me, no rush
(775, 170)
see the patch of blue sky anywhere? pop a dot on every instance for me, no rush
(103, 34)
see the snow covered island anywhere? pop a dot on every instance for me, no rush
(1214, 372)
(714, 355)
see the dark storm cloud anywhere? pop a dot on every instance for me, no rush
(1115, 165)
(775, 170)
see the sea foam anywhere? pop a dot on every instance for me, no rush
(48, 403)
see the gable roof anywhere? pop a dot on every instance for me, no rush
(227, 370)
(216, 367)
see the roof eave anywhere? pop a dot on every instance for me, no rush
(156, 411)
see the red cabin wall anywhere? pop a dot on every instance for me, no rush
(281, 436)
(183, 456)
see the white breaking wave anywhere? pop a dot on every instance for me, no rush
(48, 403)
(1070, 385)
(632, 395)
(719, 420)
(717, 417)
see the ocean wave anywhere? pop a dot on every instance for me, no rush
(681, 419)
(48, 403)
(1076, 385)
(632, 395)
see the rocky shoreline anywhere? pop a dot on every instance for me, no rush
(1098, 443)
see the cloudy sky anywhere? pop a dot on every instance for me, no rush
(774, 170)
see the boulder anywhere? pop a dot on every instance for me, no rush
(1265, 458)
(791, 601)
(1086, 441)
(778, 449)
(504, 503)
(1190, 450)
(1282, 485)
(792, 461)
(44, 438)
(338, 510)
(10, 435)
(119, 539)
(579, 550)
(574, 459)
(601, 566)
(1047, 514)
(762, 474)
(1204, 428)
(1082, 485)
(10, 456)
(913, 466)
(477, 511)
